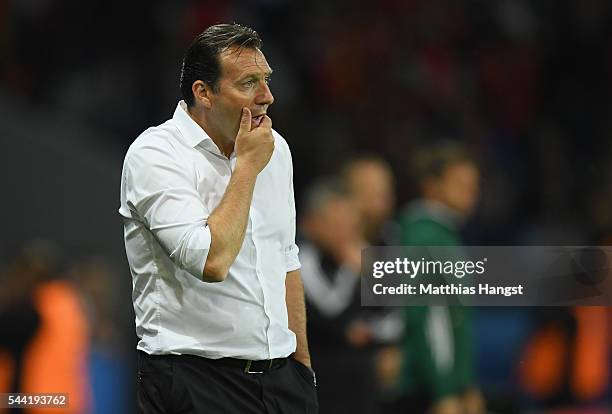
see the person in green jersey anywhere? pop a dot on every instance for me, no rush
(437, 366)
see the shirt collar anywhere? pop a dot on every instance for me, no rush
(436, 211)
(192, 133)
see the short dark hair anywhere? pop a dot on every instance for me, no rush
(201, 61)
(432, 161)
(320, 193)
(348, 166)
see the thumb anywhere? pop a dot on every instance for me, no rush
(245, 121)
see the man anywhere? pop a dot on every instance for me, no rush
(44, 345)
(330, 255)
(209, 220)
(438, 368)
(371, 187)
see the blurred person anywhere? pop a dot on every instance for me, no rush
(209, 225)
(97, 284)
(371, 186)
(44, 343)
(340, 336)
(566, 362)
(371, 189)
(437, 372)
(109, 364)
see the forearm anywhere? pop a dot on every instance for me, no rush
(296, 310)
(227, 224)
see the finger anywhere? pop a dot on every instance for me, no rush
(245, 121)
(266, 122)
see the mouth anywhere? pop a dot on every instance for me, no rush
(256, 120)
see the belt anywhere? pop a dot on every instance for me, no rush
(249, 366)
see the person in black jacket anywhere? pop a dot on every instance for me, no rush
(339, 336)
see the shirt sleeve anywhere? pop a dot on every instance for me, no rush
(162, 191)
(291, 249)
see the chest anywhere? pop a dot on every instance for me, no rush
(271, 208)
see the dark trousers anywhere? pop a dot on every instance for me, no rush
(185, 384)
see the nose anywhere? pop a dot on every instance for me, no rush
(264, 95)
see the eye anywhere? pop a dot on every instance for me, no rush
(249, 83)
(268, 80)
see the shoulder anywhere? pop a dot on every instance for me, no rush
(422, 224)
(280, 143)
(158, 143)
(426, 231)
(308, 252)
(282, 153)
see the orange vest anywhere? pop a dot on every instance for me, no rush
(542, 368)
(55, 360)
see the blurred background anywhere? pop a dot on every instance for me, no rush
(410, 121)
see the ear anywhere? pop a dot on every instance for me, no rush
(202, 93)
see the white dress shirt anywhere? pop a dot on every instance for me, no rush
(173, 178)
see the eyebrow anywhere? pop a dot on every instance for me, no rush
(255, 75)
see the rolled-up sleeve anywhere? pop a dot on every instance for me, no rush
(163, 193)
(292, 259)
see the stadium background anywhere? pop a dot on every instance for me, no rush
(524, 85)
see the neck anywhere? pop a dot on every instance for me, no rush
(199, 117)
(371, 232)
